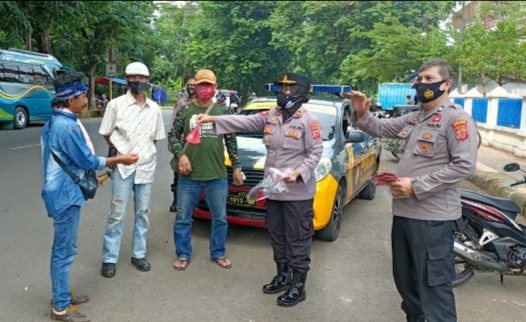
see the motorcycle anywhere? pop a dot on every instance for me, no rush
(101, 104)
(487, 237)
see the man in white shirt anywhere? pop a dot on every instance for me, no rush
(132, 123)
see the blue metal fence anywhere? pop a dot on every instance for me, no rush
(459, 101)
(480, 110)
(509, 113)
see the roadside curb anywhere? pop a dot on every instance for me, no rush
(498, 185)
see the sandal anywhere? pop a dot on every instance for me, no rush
(223, 262)
(182, 264)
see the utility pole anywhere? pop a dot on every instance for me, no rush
(462, 28)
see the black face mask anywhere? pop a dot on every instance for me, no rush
(191, 91)
(138, 87)
(298, 94)
(428, 92)
(287, 101)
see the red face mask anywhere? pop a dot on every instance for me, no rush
(205, 92)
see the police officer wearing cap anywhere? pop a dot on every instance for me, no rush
(293, 139)
(439, 146)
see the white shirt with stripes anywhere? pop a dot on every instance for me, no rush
(133, 129)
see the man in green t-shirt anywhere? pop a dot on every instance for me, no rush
(202, 167)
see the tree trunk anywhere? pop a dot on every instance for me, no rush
(91, 82)
(43, 41)
(484, 84)
(28, 40)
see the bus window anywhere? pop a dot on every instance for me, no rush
(26, 74)
(10, 73)
(41, 77)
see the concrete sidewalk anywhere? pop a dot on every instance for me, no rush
(491, 177)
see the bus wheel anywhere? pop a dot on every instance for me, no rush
(20, 118)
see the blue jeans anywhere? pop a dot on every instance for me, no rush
(63, 254)
(121, 190)
(188, 193)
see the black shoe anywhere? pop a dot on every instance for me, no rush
(108, 270)
(280, 282)
(173, 207)
(141, 264)
(296, 292)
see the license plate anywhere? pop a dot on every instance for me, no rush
(240, 198)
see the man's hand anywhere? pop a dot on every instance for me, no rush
(402, 188)
(185, 167)
(203, 118)
(130, 158)
(239, 177)
(292, 177)
(360, 102)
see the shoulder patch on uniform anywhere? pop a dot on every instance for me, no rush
(461, 129)
(315, 129)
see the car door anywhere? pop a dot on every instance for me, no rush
(352, 154)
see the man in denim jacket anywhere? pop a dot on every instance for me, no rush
(66, 137)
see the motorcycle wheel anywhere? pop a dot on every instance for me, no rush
(464, 271)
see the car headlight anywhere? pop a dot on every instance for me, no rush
(323, 169)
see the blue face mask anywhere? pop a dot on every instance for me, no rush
(428, 92)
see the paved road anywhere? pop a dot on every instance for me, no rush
(350, 279)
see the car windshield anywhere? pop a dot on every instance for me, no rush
(326, 114)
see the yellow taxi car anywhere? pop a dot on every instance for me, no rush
(350, 159)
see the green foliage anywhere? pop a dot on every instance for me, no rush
(396, 50)
(251, 43)
(232, 38)
(495, 54)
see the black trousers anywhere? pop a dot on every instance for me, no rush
(290, 227)
(423, 268)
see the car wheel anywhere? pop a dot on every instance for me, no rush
(369, 192)
(20, 118)
(332, 230)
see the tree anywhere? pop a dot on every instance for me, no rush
(418, 16)
(26, 20)
(232, 38)
(496, 54)
(396, 50)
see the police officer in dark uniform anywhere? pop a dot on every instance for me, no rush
(294, 141)
(439, 146)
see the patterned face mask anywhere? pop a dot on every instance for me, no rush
(428, 92)
(205, 92)
(137, 87)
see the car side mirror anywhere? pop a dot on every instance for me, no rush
(355, 136)
(510, 167)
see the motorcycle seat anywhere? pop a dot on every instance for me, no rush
(503, 204)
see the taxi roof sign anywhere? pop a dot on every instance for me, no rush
(317, 88)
